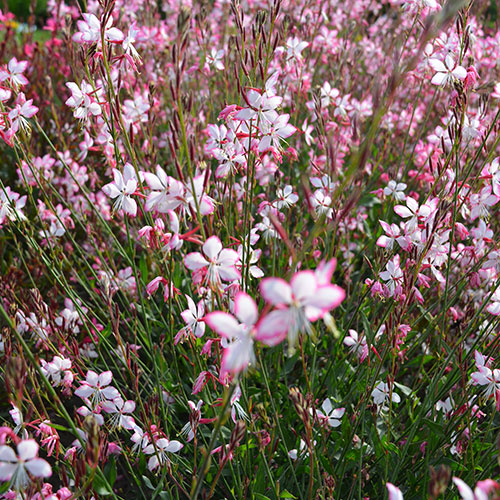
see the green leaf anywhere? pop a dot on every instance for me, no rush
(148, 483)
(434, 426)
(110, 472)
(101, 487)
(286, 494)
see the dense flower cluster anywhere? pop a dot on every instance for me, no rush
(283, 212)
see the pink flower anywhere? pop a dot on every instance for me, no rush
(216, 58)
(193, 317)
(481, 491)
(393, 276)
(22, 110)
(83, 100)
(357, 345)
(96, 388)
(297, 304)
(238, 332)
(14, 73)
(274, 131)
(261, 103)
(294, 48)
(90, 31)
(120, 410)
(16, 467)
(11, 205)
(166, 194)
(217, 264)
(490, 379)
(494, 306)
(394, 492)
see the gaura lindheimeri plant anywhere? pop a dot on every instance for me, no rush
(250, 250)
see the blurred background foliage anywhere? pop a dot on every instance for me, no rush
(23, 8)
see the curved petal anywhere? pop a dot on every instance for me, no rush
(245, 309)
(229, 273)
(173, 446)
(7, 454)
(223, 323)
(195, 261)
(464, 490)
(238, 355)
(38, 467)
(304, 285)
(212, 247)
(27, 449)
(105, 378)
(394, 492)
(273, 328)
(276, 291)
(7, 470)
(326, 297)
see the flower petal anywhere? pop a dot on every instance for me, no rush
(276, 291)
(223, 323)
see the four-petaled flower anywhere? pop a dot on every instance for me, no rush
(122, 188)
(16, 467)
(298, 303)
(217, 264)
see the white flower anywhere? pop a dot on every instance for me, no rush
(380, 394)
(215, 59)
(396, 190)
(330, 414)
(122, 188)
(15, 467)
(159, 451)
(447, 72)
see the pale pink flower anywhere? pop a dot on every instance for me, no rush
(357, 345)
(481, 491)
(22, 110)
(16, 467)
(13, 72)
(89, 30)
(159, 452)
(58, 371)
(393, 276)
(96, 388)
(396, 190)
(261, 103)
(193, 317)
(332, 416)
(285, 197)
(481, 203)
(494, 305)
(83, 100)
(297, 304)
(294, 48)
(120, 411)
(394, 492)
(381, 394)
(11, 205)
(166, 194)
(490, 379)
(274, 131)
(122, 189)
(238, 331)
(216, 58)
(216, 263)
(447, 71)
